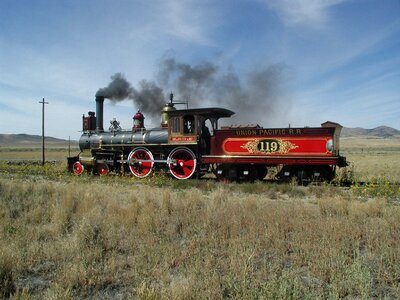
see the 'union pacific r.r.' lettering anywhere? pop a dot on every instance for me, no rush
(269, 132)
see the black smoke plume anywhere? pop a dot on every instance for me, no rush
(190, 82)
(149, 97)
(118, 89)
(255, 98)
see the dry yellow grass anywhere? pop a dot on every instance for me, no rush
(373, 157)
(124, 238)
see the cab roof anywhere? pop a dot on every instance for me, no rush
(208, 113)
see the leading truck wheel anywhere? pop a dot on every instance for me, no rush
(140, 162)
(77, 168)
(182, 163)
(102, 169)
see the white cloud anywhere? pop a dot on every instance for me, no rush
(294, 12)
(184, 21)
(188, 23)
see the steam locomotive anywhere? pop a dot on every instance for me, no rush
(190, 143)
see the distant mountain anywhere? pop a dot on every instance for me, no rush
(27, 140)
(381, 131)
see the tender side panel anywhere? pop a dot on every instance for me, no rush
(285, 142)
(276, 146)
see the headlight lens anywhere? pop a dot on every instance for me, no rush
(329, 146)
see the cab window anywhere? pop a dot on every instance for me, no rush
(189, 125)
(175, 125)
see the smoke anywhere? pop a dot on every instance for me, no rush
(255, 97)
(149, 97)
(190, 82)
(117, 90)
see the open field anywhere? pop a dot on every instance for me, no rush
(373, 157)
(64, 237)
(32, 151)
(35, 154)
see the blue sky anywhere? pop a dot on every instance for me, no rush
(338, 60)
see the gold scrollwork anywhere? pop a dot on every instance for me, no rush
(284, 146)
(251, 146)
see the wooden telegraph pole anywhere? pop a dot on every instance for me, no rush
(43, 103)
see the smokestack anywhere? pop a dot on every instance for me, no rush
(99, 113)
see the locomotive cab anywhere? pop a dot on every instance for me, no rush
(188, 126)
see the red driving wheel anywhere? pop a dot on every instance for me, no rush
(78, 168)
(182, 163)
(140, 162)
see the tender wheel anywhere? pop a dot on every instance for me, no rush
(227, 173)
(140, 162)
(102, 169)
(78, 168)
(303, 177)
(262, 171)
(182, 163)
